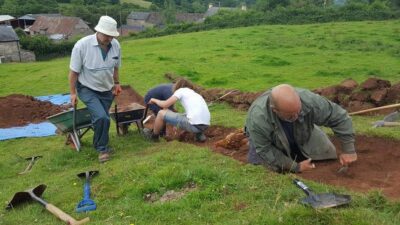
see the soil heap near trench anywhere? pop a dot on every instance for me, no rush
(352, 96)
(20, 110)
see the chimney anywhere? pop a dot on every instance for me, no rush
(210, 5)
(244, 8)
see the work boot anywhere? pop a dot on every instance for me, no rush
(200, 137)
(149, 135)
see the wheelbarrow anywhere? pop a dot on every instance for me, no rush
(125, 115)
(74, 123)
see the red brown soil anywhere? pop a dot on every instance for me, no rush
(19, 110)
(377, 167)
(128, 95)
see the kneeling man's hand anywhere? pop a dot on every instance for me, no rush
(306, 165)
(346, 158)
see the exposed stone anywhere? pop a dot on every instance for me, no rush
(355, 106)
(347, 86)
(393, 94)
(378, 96)
(375, 83)
(361, 96)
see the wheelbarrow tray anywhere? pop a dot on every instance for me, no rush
(64, 120)
(127, 114)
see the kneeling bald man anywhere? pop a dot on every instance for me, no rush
(283, 129)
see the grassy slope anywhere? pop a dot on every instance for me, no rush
(250, 59)
(142, 3)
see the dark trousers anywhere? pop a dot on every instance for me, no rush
(98, 104)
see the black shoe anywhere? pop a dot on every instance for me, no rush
(200, 137)
(149, 135)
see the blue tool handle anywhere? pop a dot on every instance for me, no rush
(86, 190)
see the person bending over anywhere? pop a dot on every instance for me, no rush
(196, 118)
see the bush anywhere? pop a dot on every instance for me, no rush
(43, 47)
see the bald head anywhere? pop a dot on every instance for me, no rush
(286, 102)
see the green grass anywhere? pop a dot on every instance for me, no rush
(227, 192)
(141, 3)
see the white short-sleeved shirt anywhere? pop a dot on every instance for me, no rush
(195, 106)
(87, 60)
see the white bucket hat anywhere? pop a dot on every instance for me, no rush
(108, 26)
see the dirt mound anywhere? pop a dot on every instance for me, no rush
(128, 96)
(19, 110)
(373, 92)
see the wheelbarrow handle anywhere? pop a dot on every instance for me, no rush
(65, 217)
(303, 187)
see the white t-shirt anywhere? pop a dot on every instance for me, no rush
(95, 72)
(195, 106)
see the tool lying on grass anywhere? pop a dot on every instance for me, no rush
(389, 120)
(86, 204)
(321, 201)
(32, 161)
(223, 96)
(35, 194)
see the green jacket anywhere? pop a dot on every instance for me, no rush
(266, 133)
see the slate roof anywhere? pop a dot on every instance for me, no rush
(7, 34)
(138, 15)
(56, 25)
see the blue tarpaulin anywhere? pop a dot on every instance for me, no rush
(36, 130)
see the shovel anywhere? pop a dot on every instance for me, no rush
(35, 194)
(32, 161)
(321, 201)
(86, 204)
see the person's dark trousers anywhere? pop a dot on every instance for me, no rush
(98, 104)
(252, 156)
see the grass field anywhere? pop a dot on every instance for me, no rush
(226, 192)
(141, 3)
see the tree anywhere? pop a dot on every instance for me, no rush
(169, 11)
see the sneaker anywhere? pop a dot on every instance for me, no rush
(149, 135)
(104, 157)
(200, 137)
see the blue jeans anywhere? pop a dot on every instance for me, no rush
(98, 104)
(182, 122)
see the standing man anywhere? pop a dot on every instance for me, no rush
(94, 75)
(282, 126)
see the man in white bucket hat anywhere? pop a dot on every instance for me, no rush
(94, 75)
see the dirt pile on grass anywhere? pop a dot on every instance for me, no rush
(373, 92)
(19, 110)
